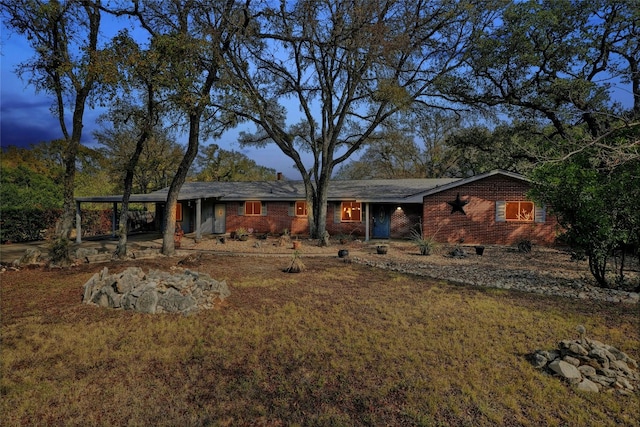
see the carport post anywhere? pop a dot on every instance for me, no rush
(366, 222)
(114, 219)
(198, 220)
(78, 223)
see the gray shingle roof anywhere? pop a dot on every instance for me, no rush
(375, 190)
(371, 191)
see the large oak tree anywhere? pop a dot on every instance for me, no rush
(318, 77)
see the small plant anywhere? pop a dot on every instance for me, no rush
(524, 246)
(296, 266)
(424, 243)
(60, 251)
(242, 233)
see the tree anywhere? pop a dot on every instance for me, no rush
(158, 159)
(216, 164)
(552, 63)
(349, 67)
(555, 64)
(64, 38)
(24, 188)
(189, 38)
(596, 205)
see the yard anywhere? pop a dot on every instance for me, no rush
(339, 344)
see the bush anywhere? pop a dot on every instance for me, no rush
(27, 225)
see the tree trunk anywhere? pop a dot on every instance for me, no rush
(169, 223)
(598, 268)
(123, 228)
(317, 198)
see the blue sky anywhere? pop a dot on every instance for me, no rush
(25, 116)
(26, 119)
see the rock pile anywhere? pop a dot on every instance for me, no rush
(154, 292)
(590, 365)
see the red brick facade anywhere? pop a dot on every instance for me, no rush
(479, 225)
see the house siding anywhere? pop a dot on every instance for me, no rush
(479, 225)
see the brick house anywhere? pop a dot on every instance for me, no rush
(493, 208)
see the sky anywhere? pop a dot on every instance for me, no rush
(26, 119)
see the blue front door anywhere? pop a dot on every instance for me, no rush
(381, 222)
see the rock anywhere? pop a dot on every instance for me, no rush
(565, 370)
(571, 360)
(148, 301)
(600, 354)
(587, 371)
(30, 256)
(610, 373)
(98, 258)
(173, 301)
(602, 380)
(82, 253)
(576, 348)
(539, 360)
(587, 385)
(625, 383)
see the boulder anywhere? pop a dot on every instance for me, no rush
(565, 370)
(587, 385)
(30, 256)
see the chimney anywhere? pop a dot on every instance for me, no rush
(279, 176)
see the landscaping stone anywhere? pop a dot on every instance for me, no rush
(31, 256)
(590, 365)
(587, 385)
(565, 370)
(154, 292)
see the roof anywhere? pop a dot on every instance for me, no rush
(375, 190)
(475, 178)
(368, 191)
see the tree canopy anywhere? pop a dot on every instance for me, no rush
(217, 164)
(347, 67)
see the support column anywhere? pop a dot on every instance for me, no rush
(78, 223)
(198, 220)
(366, 224)
(114, 219)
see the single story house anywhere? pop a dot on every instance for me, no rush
(491, 208)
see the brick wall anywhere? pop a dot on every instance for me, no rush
(356, 229)
(275, 222)
(479, 225)
(403, 220)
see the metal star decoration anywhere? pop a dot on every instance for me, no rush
(458, 205)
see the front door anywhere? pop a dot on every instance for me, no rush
(381, 222)
(220, 219)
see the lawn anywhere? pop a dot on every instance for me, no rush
(339, 344)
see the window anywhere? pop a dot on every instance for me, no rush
(519, 211)
(253, 208)
(351, 211)
(178, 211)
(301, 208)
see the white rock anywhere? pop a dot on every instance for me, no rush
(587, 385)
(565, 370)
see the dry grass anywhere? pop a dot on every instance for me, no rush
(339, 344)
